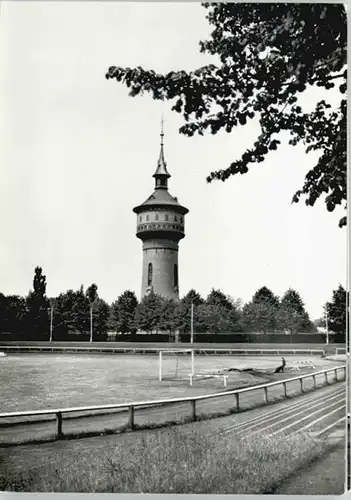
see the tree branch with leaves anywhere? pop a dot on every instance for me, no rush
(269, 54)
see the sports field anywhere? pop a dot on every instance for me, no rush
(41, 381)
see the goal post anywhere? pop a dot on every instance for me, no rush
(176, 356)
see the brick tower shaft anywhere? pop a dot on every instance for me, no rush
(160, 268)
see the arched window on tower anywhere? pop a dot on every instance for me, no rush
(149, 275)
(175, 275)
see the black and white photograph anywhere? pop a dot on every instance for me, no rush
(174, 301)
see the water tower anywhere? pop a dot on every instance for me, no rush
(160, 226)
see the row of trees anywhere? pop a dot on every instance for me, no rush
(77, 312)
(217, 313)
(84, 313)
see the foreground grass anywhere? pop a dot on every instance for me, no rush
(172, 461)
(326, 477)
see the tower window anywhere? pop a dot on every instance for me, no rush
(147, 218)
(181, 220)
(166, 217)
(161, 182)
(156, 216)
(149, 275)
(175, 218)
(140, 218)
(175, 275)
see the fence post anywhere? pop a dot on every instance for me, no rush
(59, 425)
(345, 372)
(131, 417)
(314, 381)
(237, 401)
(285, 393)
(336, 374)
(193, 410)
(326, 377)
(265, 390)
(301, 384)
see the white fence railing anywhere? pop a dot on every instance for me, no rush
(131, 406)
(153, 350)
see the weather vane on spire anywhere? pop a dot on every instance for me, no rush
(162, 133)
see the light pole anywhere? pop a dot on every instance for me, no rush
(91, 323)
(192, 338)
(51, 320)
(192, 324)
(326, 324)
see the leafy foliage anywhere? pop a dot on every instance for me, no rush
(337, 308)
(123, 312)
(193, 297)
(169, 315)
(292, 314)
(268, 55)
(218, 298)
(219, 313)
(101, 315)
(260, 316)
(265, 296)
(149, 312)
(319, 322)
(71, 314)
(92, 293)
(292, 300)
(208, 318)
(184, 308)
(13, 314)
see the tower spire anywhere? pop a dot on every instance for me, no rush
(161, 175)
(162, 133)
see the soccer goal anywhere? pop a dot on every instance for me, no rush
(175, 364)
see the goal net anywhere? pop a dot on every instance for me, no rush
(175, 364)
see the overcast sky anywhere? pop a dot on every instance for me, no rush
(77, 154)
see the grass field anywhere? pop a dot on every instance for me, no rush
(40, 381)
(170, 460)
